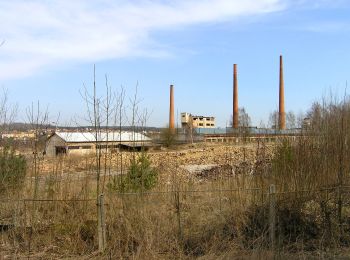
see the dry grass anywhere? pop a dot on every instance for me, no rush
(173, 220)
(206, 217)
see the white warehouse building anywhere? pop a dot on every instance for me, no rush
(87, 142)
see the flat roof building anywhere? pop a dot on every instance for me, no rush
(188, 119)
(87, 142)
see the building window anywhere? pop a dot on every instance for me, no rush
(113, 146)
(73, 147)
(86, 147)
(60, 150)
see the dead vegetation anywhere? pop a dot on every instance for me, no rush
(224, 210)
(221, 212)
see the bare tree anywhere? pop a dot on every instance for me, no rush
(94, 116)
(300, 119)
(273, 120)
(143, 118)
(243, 118)
(8, 113)
(168, 137)
(108, 112)
(119, 119)
(98, 116)
(38, 122)
(244, 122)
(291, 120)
(189, 129)
(319, 159)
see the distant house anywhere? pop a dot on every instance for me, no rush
(22, 136)
(88, 142)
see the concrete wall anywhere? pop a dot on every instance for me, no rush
(51, 144)
(80, 148)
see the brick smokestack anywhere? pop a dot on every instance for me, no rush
(235, 98)
(171, 110)
(281, 111)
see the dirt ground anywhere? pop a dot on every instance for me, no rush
(198, 161)
(212, 153)
(199, 154)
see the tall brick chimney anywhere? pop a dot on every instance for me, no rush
(281, 111)
(171, 110)
(235, 98)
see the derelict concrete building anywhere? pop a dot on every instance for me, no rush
(197, 121)
(86, 142)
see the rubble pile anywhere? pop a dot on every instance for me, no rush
(212, 161)
(201, 161)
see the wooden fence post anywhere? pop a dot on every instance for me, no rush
(272, 216)
(101, 224)
(178, 213)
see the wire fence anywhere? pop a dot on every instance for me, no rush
(175, 223)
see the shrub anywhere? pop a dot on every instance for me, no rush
(141, 176)
(12, 169)
(168, 137)
(296, 224)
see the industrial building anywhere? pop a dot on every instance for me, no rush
(206, 124)
(84, 143)
(197, 121)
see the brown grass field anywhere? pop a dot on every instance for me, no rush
(221, 211)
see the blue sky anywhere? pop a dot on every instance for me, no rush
(50, 47)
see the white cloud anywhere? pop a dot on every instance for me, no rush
(327, 26)
(41, 34)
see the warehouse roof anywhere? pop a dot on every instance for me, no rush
(124, 136)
